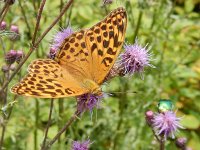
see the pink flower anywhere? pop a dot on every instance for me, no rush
(134, 59)
(166, 124)
(60, 36)
(76, 145)
(58, 40)
(88, 102)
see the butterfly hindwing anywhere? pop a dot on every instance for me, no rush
(47, 79)
(74, 56)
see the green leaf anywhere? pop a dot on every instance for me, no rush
(189, 5)
(190, 122)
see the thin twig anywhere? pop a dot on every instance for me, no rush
(48, 125)
(36, 44)
(25, 18)
(138, 25)
(54, 22)
(38, 21)
(66, 126)
(4, 13)
(6, 118)
(4, 8)
(36, 123)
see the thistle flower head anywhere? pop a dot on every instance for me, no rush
(10, 57)
(88, 102)
(3, 25)
(58, 40)
(77, 145)
(166, 124)
(134, 59)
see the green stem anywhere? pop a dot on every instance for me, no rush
(61, 109)
(66, 126)
(138, 25)
(48, 125)
(36, 123)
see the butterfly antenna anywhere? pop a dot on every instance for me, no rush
(127, 92)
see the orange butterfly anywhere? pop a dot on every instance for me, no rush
(82, 63)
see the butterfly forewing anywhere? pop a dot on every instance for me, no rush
(104, 40)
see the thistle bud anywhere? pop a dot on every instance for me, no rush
(3, 25)
(10, 2)
(20, 55)
(15, 35)
(181, 142)
(149, 117)
(5, 68)
(10, 57)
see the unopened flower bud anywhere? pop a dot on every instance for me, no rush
(149, 117)
(3, 25)
(19, 56)
(181, 142)
(14, 28)
(12, 67)
(15, 35)
(10, 2)
(105, 2)
(11, 57)
(5, 68)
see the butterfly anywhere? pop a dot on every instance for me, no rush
(82, 63)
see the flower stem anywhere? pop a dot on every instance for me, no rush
(138, 25)
(66, 126)
(38, 20)
(4, 10)
(36, 123)
(61, 109)
(162, 143)
(48, 124)
(25, 19)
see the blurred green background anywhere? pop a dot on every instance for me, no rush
(170, 27)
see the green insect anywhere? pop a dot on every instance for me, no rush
(165, 105)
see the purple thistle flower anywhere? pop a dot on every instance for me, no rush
(76, 145)
(166, 124)
(134, 59)
(3, 25)
(88, 102)
(58, 40)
